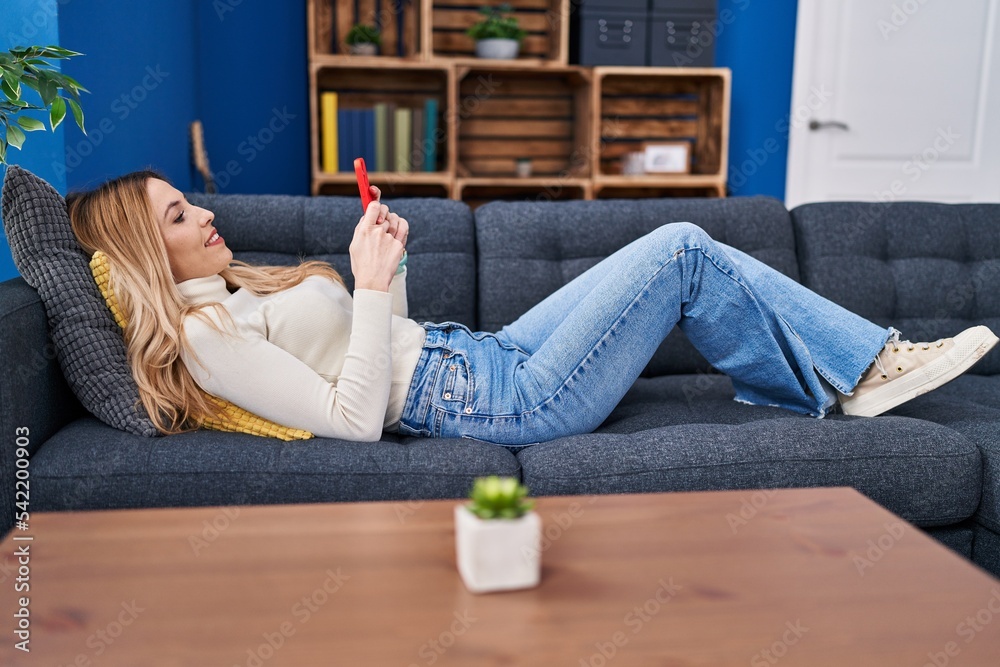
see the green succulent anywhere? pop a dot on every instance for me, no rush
(496, 497)
(362, 33)
(28, 65)
(496, 25)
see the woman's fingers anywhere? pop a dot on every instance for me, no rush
(376, 193)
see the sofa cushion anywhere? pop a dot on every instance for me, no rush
(969, 405)
(930, 270)
(284, 229)
(88, 465)
(527, 250)
(685, 433)
(88, 343)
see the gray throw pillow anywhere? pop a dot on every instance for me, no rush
(89, 345)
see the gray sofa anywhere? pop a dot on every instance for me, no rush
(928, 269)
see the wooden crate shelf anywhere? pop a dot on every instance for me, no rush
(502, 115)
(398, 20)
(546, 22)
(574, 122)
(361, 87)
(641, 105)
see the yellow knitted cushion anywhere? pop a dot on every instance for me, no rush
(235, 419)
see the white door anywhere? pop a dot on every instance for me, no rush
(895, 100)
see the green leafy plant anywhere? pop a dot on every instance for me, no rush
(496, 25)
(27, 66)
(496, 497)
(362, 33)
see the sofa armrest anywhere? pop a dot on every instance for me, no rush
(33, 392)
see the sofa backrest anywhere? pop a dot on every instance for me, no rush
(285, 229)
(527, 250)
(928, 269)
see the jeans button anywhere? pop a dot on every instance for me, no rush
(468, 411)
(447, 395)
(453, 367)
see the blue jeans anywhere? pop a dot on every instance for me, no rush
(563, 366)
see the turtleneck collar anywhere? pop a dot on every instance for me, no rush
(201, 290)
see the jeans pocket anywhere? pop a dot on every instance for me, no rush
(456, 389)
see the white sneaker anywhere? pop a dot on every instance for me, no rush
(904, 370)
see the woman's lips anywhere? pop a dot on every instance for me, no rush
(214, 239)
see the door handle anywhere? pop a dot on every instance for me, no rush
(817, 125)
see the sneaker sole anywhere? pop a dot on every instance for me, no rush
(970, 346)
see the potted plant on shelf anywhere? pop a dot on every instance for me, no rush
(27, 65)
(498, 537)
(363, 39)
(497, 36)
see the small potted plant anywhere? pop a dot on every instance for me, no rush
(498, 537)
(497, 35)
(363, 39)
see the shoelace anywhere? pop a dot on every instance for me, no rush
(896, 343)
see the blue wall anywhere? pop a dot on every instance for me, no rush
(140, 67)
(759, 46)
(253, 95)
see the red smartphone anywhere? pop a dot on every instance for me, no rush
(363, 186)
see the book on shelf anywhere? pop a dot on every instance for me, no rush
(417, 141)
(430, 134)
(328, 131)
(404, 128)
(390, 136)
(381, 126)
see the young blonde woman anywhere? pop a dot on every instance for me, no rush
(291, 344)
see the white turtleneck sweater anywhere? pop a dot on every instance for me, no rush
(308, 357)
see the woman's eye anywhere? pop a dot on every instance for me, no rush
(180, 218)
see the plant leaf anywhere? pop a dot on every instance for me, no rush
(15, 136)
(30, 124)
(77, 114)
(3, 151)
(57, 112)
(12, 89)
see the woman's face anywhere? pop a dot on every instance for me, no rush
(194, 249)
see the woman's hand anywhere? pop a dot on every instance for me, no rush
(398, 227)
(375, 252)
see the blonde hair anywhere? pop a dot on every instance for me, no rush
(117, 218)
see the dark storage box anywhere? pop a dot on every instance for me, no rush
(682, 39)
(611, 36)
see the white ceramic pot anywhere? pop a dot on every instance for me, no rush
(363, 49)
(500, 49)
(498, 554)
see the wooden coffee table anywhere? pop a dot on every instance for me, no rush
(791, 577)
